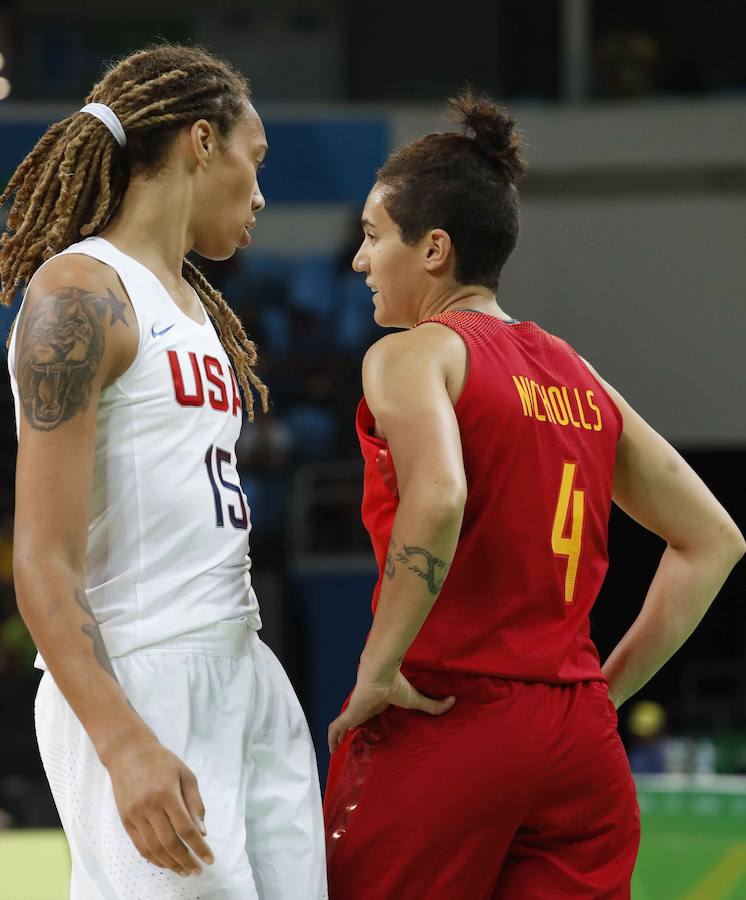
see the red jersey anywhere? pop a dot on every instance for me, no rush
(539, 436)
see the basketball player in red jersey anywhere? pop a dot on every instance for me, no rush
(492, 454)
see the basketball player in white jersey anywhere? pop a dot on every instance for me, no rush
(176, 750)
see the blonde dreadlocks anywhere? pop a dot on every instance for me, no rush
(71, 183)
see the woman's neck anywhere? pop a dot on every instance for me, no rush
(151, 224)
(476, 298)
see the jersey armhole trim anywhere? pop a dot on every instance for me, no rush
(140, 334)
(469, 362)
(615, 409)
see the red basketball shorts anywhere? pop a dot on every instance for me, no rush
(521, 792)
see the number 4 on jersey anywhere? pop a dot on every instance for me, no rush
(569, 546)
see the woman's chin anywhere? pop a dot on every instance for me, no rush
(217, 252)
(381, 316)
(384, 320)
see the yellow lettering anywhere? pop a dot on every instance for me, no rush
(580, 410)
(524, 394)
(558, 405)
(569, 408)
(545, 401)
(589, 395)
(539, 417)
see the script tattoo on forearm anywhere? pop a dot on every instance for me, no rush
(94, 633)
(390, 566)
(59, 352)
(429, 567)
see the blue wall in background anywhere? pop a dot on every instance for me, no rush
(336, 616)
(318, 161)
(323, 162)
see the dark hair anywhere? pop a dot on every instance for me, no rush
(73, 180)
(463, 184)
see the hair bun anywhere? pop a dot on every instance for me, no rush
(494, 131)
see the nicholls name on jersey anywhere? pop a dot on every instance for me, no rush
(539, 436)
(168, 537)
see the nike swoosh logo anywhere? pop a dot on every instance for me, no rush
(159, 333)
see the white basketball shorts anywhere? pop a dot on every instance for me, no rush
(221, 701)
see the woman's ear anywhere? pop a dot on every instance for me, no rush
(438, 250)
(202, 140)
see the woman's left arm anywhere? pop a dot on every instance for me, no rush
(405, 387)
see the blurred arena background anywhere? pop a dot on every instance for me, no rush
(632, 248)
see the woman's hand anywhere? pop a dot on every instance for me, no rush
(370, 698)
(160, 806)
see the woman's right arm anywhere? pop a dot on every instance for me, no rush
(656, 487)
(76, 334)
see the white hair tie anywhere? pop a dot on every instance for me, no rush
(107, 115)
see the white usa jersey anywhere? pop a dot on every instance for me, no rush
(168, 537)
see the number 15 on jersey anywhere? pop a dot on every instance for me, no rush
(237, 512)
